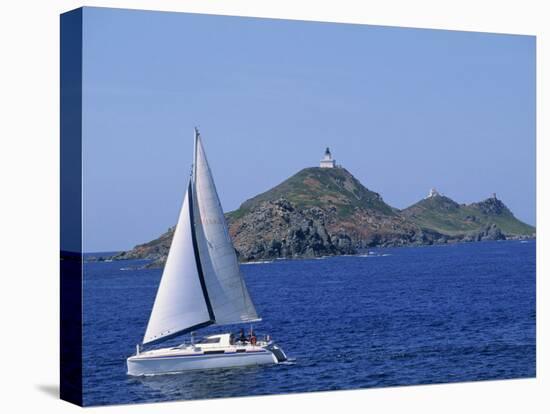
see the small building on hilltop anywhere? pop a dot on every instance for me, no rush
(433, 193)
(327, 161)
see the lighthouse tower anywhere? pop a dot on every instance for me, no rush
(327, 161)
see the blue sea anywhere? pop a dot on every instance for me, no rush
(400, 316)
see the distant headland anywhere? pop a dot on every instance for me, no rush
(325, 210)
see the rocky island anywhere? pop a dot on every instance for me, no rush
(325, 210)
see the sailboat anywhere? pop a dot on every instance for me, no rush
(201, 285)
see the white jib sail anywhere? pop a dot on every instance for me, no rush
(227, 291)
(180, 304)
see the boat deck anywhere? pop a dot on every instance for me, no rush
(211, 345)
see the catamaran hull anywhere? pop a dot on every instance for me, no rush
(138, 365)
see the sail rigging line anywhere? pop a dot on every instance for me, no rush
(197, 256)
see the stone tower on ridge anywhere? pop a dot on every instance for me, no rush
(433, 193)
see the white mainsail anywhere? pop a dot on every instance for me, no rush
(226, 288)
(201, 283)
(181, 303)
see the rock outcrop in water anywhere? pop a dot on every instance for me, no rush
(320, 212)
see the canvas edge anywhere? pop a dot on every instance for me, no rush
(70, 179)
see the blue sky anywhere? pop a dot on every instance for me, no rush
(402, 109)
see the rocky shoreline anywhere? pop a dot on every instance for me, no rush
(277, 230)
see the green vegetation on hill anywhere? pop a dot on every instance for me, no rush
(321, 187)
(445, 216)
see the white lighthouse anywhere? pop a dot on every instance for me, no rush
(327, 161)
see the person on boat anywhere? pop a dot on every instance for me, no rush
(252, 337)
(242, 337)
